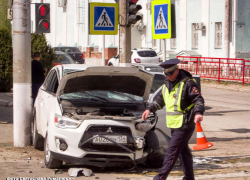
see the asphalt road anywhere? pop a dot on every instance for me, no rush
(226, 124)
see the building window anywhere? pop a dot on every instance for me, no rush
(173, 43)
(218, 35)
(194, 36)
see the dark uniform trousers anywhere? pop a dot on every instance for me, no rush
(35, 89)
(178, 146)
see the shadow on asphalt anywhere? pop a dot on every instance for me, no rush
(241, 130)
(222, 113)
(140, 169)
(212, 139)
(207, 108)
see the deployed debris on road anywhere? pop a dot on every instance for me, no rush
(205, 160)
(74, 172)
(58, 171)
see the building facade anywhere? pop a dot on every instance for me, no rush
(200, 27)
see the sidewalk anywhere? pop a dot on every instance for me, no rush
(233, 86)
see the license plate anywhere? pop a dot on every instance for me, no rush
(118, 139)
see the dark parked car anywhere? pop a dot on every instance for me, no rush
(63, 58)
(74, 53)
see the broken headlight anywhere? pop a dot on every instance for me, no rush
(140, 142)
(147, 125)
(64, 122)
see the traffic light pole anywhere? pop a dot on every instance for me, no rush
(21, 72)
(125, 35)
(164, 50)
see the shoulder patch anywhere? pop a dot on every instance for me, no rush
(195, 90)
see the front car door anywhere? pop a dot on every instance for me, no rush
(48, 102)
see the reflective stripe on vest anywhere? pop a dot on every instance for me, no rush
(174, 114)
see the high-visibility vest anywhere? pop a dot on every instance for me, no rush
(174, 114)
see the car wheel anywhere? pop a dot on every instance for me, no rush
(152, 141)
(110, 64)
(49, 161)
(155, 152)
(37, 139)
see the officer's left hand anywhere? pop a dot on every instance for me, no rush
(198, 118)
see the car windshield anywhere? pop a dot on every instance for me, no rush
(158, 82)
(147, 53)
(102, 96)
(70, 49)
(63, 59)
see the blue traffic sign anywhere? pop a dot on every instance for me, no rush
(161, 19)
(103, 18)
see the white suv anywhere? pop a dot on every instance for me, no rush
(138, 56)
(92, 116)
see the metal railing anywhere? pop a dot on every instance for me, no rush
(232, 69)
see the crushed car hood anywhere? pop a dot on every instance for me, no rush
(129, 80)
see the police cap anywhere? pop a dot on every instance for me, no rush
(170, 66)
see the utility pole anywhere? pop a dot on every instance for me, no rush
(21, 72)
(125, 35)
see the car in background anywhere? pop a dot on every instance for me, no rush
(149, 67)
(63, 58)
(138, 56)
(73, 52)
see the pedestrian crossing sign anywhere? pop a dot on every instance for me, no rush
(103, 18)
(161, 19)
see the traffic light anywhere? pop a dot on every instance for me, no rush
(42, 18)
(133, 8)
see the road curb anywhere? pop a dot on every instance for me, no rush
(6, 103)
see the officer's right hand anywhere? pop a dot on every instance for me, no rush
(145, 115)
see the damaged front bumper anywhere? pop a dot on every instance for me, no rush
(102, 160)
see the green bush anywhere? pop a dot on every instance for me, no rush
(6, 62)
(4, 22)
(39, 44)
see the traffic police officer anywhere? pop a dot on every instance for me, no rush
(184, 107)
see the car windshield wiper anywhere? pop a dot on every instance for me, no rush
(98, 97)
(123, 94)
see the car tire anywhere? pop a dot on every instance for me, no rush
(37, 139)
(152, 141)
(155, 155)
(49, 161)
(110, 64)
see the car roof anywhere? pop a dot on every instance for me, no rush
(65, 47)
(143, 49)
(60, 52)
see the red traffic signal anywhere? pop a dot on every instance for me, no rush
(43, 10)
(42, 18)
